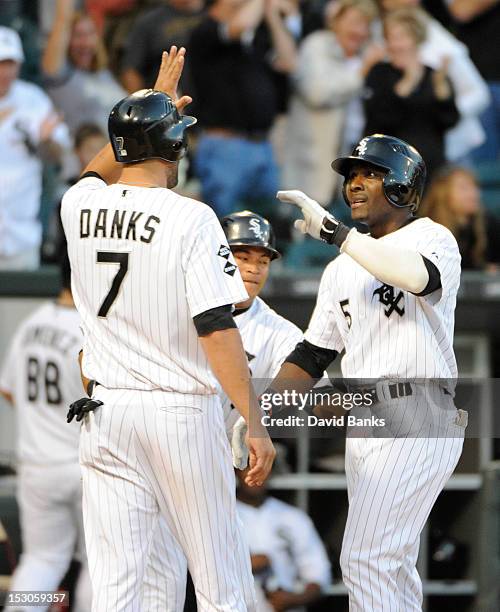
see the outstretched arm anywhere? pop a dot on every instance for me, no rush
(54, 55)
(391, 264)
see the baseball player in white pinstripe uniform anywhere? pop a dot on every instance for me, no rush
(388, 300)
(267, 338)
(40, 375)
(154, 282)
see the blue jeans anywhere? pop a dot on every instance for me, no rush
(234, 170)
(490, 119)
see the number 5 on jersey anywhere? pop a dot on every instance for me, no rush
(107, 257)
(343, 306)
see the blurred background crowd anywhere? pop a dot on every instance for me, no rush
(280, 88)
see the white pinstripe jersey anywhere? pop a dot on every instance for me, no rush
(268, 339)
(387, 332)
(41, 372)
(144, 263)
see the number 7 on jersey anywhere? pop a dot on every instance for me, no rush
(120, 258)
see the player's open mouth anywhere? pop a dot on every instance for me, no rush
(357, 203)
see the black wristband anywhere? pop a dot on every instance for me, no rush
(333, 231)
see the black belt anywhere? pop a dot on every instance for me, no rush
(396, 390)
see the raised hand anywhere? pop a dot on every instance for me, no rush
(172, 64)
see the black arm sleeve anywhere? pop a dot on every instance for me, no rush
(215, 319)
(434, 282)
(311, 358)
(91, 174)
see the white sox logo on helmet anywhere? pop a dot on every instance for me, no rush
(254, 226)
(361, 148)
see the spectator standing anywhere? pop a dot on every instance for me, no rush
(326, 115)
(75, 69)
(238, 101)
(156, 30)
(406, 98)
(30, 131)
(471, 91)
(453, 199)
(478, 26)
(289, 561)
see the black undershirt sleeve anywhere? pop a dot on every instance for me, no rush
(311, 358)
(434, 281)
(215, 319)
(91, 174)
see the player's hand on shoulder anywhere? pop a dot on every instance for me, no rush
(81, 407)
(261, 454)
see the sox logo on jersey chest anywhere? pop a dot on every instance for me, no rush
(387, 296)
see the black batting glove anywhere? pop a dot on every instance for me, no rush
(81, 407)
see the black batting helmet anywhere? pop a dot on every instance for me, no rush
(405, 169)
(147, 125)
(249, 229)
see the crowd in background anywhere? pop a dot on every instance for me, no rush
(280, 88)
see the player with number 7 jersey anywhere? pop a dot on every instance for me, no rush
(155, 282)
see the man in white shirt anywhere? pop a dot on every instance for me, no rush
(30, 131)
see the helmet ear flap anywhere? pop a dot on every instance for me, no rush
(398, 194)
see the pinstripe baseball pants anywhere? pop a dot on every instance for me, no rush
(392, 484)
(143, 455)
